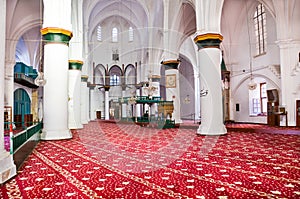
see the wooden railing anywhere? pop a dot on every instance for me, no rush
(18, 140)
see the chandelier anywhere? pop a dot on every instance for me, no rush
(149, 87)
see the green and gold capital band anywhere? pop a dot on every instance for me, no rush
(56, 35)
(75, 65)
(171, 64)
(84, 78)
(208, 40)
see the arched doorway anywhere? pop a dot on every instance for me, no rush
(22, 108)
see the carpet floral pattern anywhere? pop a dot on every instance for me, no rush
(111, 160)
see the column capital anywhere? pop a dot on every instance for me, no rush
(155, 78)
(84, 78)
(208, 40)
(75, 65)
(56, 35)
(106, 88)
(90, 85)
(171, 64)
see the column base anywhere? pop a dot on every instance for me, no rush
(78, 126)
(179, 121)
(84, 122)
(205, 130)
(56, 134)
(7, 167)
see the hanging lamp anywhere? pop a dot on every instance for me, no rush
(252, 84)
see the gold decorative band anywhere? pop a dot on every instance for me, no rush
(47, 30)
(76, 61)
(207, 36)
(174, 61)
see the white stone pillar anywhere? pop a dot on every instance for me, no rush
(7, 166)
(156, 93)
(56, 34)
(197, 95)
(106, 103)
(9, 83)
(289, 78)
(123, 106)
(83, 98)
(210, 76)
(172, 87)
(138, 106)
(92, 102)
(87, 100)
(74, 94)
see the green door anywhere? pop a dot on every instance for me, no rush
(22, 106)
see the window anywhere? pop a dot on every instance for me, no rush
(114, 35)
(260, 29)
(99, 33)
(263, 97)
(130, 34)
(114, 80)
(256, 105)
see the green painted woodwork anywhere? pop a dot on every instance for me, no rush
(208, 43)
(75, 66)
(57, 38)
(21, 138)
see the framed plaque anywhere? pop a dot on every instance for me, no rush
(171, 81)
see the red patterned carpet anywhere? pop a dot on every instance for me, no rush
(108, 160)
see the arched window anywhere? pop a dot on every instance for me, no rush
(114, 80)
(260, 29)
(99, 33)
(114, 35)
(130, 34)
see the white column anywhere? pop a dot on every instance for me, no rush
(7, 166)
(289, 78)
(87, 100)
(75, 94)
(211, 104)
(9, 83)
(124, 106)
(138, 106)
(106, 105)
(197, 95)
(83, 98)
(173, 89)
(156, 93)
(56, 32)
(92, 103)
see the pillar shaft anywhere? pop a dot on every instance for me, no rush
(173, 88)
(289, 78)
(7, 166)
(123, 106)
(211, 104)
(138, 106)
(106, 105)
(93, 107)
(75, 94)
(56, 92)
(83, 99)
